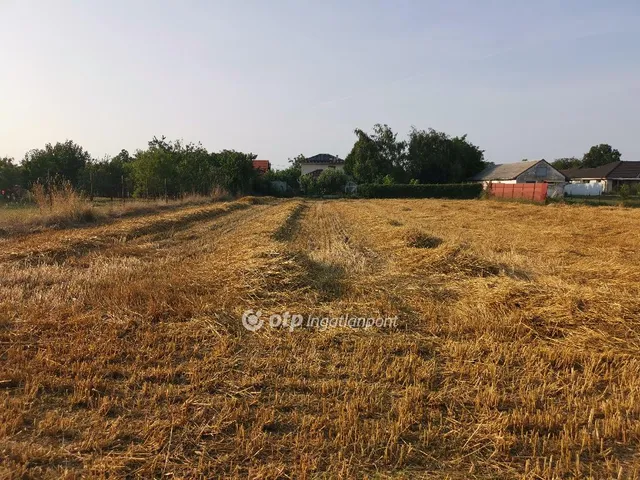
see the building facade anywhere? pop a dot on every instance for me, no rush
(316, 164)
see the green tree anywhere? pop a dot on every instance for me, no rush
(566, 163)
(296, 162)
(434, 157)
(155, 170)
(174, 168)
(196, 169)
(600, 155)
(10, 174)
(290, 176)
(309, 185)
(62, 160)
(109, 177)
(236, 172)
(120, 174)
(331, 181)
(375, 156)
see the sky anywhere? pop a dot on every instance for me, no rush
(522, 79)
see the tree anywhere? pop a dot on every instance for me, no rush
(236, 172)
(109, 177)
(392, 151)
(63, 161)
(375, 156)
(566, 163)
(331, 181)
(600, 155)
(434, 157)
(155, 171)
(196, 169)
(173, 168)
(290, 176)
(296, 162)
(120, 174)
(309, 185)
(10, 174)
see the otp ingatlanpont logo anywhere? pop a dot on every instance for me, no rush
(251, 320)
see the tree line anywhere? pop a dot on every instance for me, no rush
(379, 157)
(164, 169)
(173, 168)
(597, 156)
(427, 156)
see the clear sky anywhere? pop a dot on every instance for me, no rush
(523, 79)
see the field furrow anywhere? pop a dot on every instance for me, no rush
(123, 351)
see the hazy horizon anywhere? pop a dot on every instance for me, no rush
(283, 78)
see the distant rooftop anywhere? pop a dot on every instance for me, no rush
(324, 158)
(262, 165)
(506, 171)
(618, 169)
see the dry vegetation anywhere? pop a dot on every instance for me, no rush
(64, 207)
(517, 351)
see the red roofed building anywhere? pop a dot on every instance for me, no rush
(262, 166)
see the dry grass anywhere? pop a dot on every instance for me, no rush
(63, 207)
(517, 353)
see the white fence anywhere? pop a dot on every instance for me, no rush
(586, 189)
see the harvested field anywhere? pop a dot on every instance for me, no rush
(516, 353)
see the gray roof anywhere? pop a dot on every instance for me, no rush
(618, 170)
(323, 158)
(507, 171)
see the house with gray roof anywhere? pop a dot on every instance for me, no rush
(607, 178)
(316, 164)
(530, 171)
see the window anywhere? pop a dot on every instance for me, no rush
(542, 171)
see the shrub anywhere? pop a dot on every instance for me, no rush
(308, 185)
(388, 180)
(332, 181)
(454, 190)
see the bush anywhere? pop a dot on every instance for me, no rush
(332, 181)
(454, 190)
(309, 185)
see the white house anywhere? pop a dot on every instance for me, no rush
(316, 164)
(603, 179)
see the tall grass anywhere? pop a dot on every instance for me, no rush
(60, 203)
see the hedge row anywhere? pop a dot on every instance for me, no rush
(449, 190)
